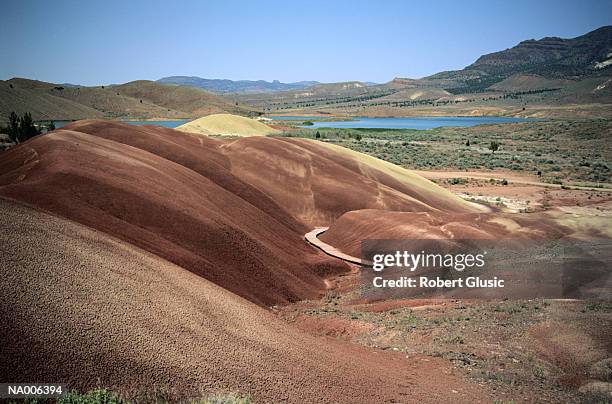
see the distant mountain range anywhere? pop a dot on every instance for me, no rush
(223, 86)
(231, 86)
(577, 70)
(550, 57)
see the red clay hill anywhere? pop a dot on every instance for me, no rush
(101, 219)
(100, 312)
(231, 211)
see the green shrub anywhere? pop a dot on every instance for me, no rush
(97, 396)
(494, 146)
(457, 181)
(227, 399)
(104, 396)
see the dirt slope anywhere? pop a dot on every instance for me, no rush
(233, 212)
(349, 230)
(100, 312)
(195, 101)
(137, 100)
(42, 104)
(207, 225)
(526, 82)
(318, 182)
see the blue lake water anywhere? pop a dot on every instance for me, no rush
(421, 123)
(167, 124)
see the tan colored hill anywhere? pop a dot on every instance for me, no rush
(135, 100)
(43, 103)
(113, 104)
(227, 124)
(401, 82)
(196, 102)
(527, 82)
(317, 93)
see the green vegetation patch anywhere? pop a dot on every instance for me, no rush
(558, 152)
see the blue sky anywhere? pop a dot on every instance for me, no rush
(102, 42)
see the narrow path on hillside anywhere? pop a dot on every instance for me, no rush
(312, 238)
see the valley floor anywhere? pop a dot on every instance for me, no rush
(541, 350)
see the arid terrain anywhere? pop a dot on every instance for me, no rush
(220, 258)
(134, 100)
(546, 78)
(155, 222)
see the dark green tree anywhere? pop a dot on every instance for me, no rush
(318, 135)
(21, 129)
(26, 127)
(494, 146)
(13, 128)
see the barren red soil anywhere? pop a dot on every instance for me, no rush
(181, 204)
(101, 312)
(317, 182)
(233, 212)
(347, 232)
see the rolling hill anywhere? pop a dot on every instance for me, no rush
(353, 227)
(173, 244)
(134, 100)
(22, 96)
(233, 212)
(195, 102)
(102, 312)
(227, 124)
(317, 182)
(182, 204)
